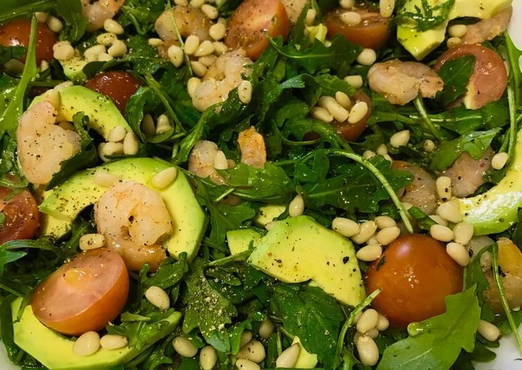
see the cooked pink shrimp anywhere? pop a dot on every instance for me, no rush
(187, 19)
(134, 220)
(467, 173)
(401, 82)
(252, 147)
(421, 192)
(488, 29)
(98, 11)
(42, 144)
(294, 8)
(202, 161)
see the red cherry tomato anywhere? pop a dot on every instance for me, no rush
(117, 85)
(489, 79)
(414, 274)
(84, 294)
(22, 217)
(16, 33)
(372, 32)
(252, 22)
(351, 131)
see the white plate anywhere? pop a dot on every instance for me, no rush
(508, 357)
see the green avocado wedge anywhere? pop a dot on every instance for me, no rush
(62, 204)
(55, 351)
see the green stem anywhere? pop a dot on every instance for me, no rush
(426, 119)
(229, 259)
(512, 121)
(503, 299)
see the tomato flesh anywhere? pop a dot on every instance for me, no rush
(16, 33)
(84, 294)
(372, 32)
(351, 131)
(22, 217)
(252, 22)
(117, 85)
(414, 274)
(489, 79)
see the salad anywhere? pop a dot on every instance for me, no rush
(227, 184)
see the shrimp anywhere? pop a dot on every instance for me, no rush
(98, 11)
(252, 147)
(422, 191)
(401, 82)
(134, 220)
(221, 78)
(188, 21)
(467, 174)
(294, 8)
(202, 159)
(488, 29)
(42, 144)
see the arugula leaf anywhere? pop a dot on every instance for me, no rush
(475, 143)
(313, 316)
(11, 52)
(438, 340)
(142, 56)
(456, 74)
(426, 16)
(513, 57)
(206, 309)
(141, 14)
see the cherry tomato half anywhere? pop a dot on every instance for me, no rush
(414, 274)
(372, 32)
(489, 79)
(117, 85)
(351, 131)
(22, 217)
(84, 294)
(252, 22)
(16, 33)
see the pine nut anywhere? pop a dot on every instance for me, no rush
(351, 18)
(453, 41)
(442, 233)
(253, 351)
(163, 124)
(296, 206)
(164, 178)
(382, 149)
(245, 364)
(199, 68)
(343, 99)
(385, 221)
(181, 2)
(367, 321)
(204, 49)
(111, 148)
(54, 24)
(91, 54)
(322, 114)
(288, 358)
(347, 4)
(111, 341)
(429, 146)
(148, 126)
(450, 211)
(345, 226)
(400, 138)
(372, 333)
(266, 329)
(44, 66)
(104, 57)
(382, 323)
(210, 11)
(336, 110)
(117, 134)
(367, 350)
(458, 30)
(367, 229)
(358, 111)
(499, 160)
(220, 161)
(439, 220)
(368, 154)
(158, 297)
(63, 51)
(41, 17)
(458, 253)
(372, 240)
(191, 44)
(246, 337)
(176, 55)
(310, 16)
(443, 185)
(192, 85)
(386, 8)
(463, 233)
(220, 48)
(354, 81)
(207, 358)
(208, 60)
(106, 39)
(244, 91)
(488, 330)
(87, 344)
(104, 178)
(155, 42)
(118, 49)
(367, 57)
(217, 31)
(197, 3)
(110, 25)
(184, 347)
(388, 235)
(369, 253)
(91, 241)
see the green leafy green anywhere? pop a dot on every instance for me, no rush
(456, 74)
(141, 14)
(11, 52)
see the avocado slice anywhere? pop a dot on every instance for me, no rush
(239, 240)
(267, 214)
(299, 249)
(62, 204)
(421, 43)
(73, 69)
(55, 351)
(104, 116)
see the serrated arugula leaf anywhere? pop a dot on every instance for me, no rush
(440, 339)
(455, 73)
(141, 14)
